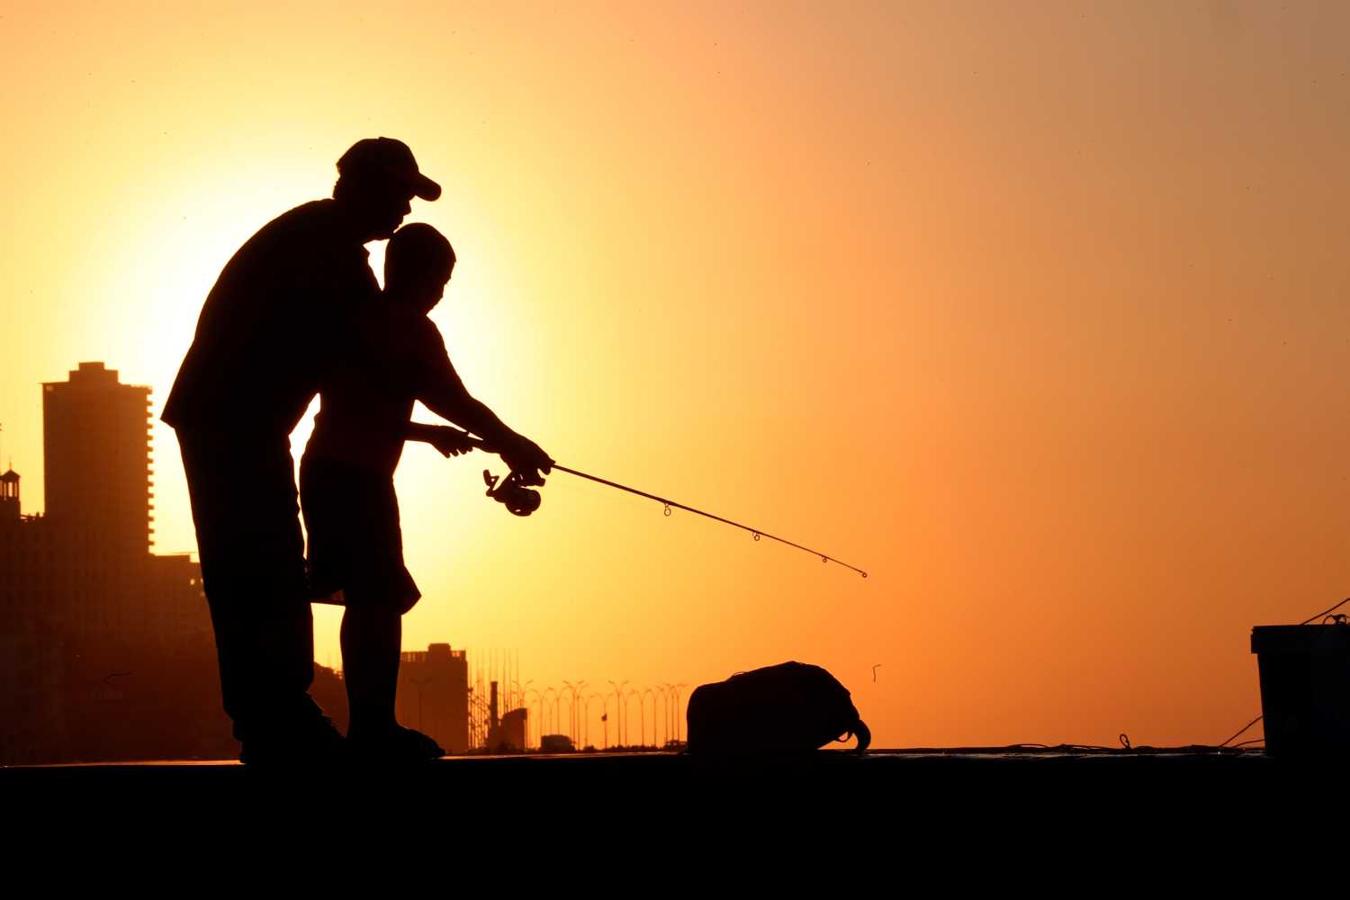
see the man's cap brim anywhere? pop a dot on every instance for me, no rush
(425, 188)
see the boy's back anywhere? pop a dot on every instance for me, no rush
(366, 400)
(347, 473)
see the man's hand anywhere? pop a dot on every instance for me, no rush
(526, 457)
(450, 441)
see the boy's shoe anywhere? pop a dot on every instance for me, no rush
(397, 746)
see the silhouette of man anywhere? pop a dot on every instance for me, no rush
(267, 331)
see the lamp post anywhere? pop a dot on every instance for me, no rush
(571, 710)
(618, 704)
(420, 683)
(544, 724)
(645, 692)
(582, 710)
(676, 689)
(666, 713)
(539, 725)
(579, 696)
(642, 715)
(642, 727)
(586, 728)
(518, 692)
(515, 699)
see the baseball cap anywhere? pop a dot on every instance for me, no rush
(387, 158)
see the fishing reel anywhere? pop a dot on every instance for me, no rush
(512, 492)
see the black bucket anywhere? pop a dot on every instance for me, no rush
(1305, 688)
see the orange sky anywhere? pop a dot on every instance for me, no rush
(1035, 311)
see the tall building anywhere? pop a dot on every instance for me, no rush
(106, 650)
(96, 458)
(433, 695)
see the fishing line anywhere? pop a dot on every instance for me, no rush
(1326, 612)
(515, 494)
(756, 533)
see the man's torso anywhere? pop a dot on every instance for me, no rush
(270, 325)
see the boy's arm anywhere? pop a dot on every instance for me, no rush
(443, 393)
(519, 452)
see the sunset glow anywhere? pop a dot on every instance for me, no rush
(1037, 312)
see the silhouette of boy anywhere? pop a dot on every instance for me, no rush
(395, 356)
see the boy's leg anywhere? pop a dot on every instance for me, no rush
(371, 640)
(378, 591)
(372, 637)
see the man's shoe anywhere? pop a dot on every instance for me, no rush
(315, 742)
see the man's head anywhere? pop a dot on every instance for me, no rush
(417, 264)
(377, 179)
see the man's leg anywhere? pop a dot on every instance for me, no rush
(252, 556)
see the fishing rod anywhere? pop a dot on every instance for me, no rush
(514, 493)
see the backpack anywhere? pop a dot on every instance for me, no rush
(788, 708)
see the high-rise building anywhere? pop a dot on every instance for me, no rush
(433, 695)
(96, 459)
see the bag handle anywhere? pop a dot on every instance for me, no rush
(864, 736)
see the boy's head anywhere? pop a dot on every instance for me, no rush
(417, 264)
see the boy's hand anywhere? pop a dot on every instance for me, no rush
(450, 441)
(528, 458)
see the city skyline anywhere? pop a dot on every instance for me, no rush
(74, 576)
(107, 648)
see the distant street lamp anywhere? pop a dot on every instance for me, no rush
(667, 709)
(538, 726)
(642, 717)
(661, 691)
(573, 731)
(586, 727)
(618, 704)
(651, 691)
(572, 710)
(518, 692)
(642, 728)
(420, 683)
(553, 729)
(604, 719)
(580, 690)
(678, 716)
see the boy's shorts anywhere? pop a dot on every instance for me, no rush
(355, 544)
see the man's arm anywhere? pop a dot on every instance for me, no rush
(450, 441)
